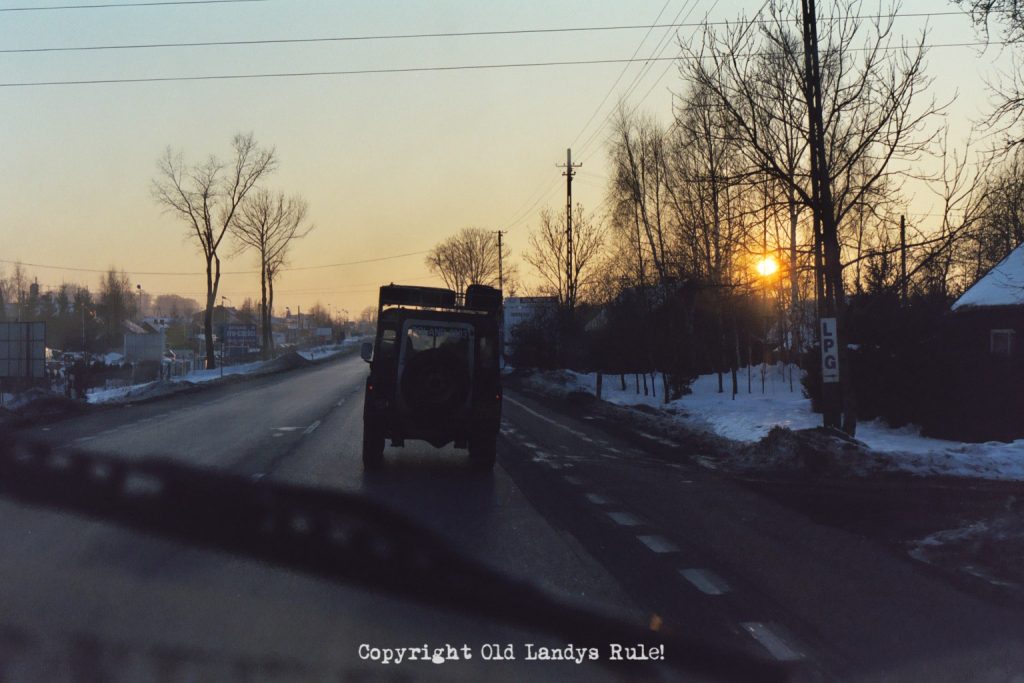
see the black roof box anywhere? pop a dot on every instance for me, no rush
(483, 298)
(427, 297)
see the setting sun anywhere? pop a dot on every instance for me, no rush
(767, 266)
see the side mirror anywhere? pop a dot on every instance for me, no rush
(366, 351)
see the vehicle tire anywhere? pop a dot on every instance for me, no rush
(373, 449)
(483, 451)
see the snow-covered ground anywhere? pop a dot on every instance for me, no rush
(752, 414)
(150, 389)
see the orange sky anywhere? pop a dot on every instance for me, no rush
(389, 163)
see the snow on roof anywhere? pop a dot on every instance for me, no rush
(1001, 286)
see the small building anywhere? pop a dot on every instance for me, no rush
(143, 349)
(985, 373)
(991, 311)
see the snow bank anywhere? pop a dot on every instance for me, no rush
(755, 411)
(287, 361)
(321, 352)
(138, 392)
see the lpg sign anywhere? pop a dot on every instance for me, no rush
(829, 351)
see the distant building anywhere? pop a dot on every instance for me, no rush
(525, 309)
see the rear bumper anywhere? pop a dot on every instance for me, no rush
(380, 416)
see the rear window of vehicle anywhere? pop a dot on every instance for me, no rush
(424, 337)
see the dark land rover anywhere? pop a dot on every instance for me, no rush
(434, 372)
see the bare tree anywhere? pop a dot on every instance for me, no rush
(547, 254)
(206, 197)
(268, 223)
(467, 258)
(13, 289)
(863, 111)
(639, 182)
(1008, 89)
(116, 303)
(175, 306)
(873, 116)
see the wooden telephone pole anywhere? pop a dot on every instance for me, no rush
(570, 295)
(827, 265)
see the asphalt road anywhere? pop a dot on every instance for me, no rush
(583, 510)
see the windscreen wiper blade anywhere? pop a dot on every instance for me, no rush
(330, 534)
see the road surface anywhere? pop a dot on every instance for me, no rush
(580, 508)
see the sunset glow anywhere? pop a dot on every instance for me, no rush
(767, 266)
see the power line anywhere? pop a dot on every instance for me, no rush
(411, 36)
(659, 49)
(629, 89)
(520, 216)
(619, 77)
(223, 272)
(114, 5)
(420, 69)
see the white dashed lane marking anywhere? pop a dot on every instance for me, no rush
(575, 481)
(597, 499)
(543, 417)
(705, 581)
(772, 641)
(658, 544)
(311, 428)
(624, 519)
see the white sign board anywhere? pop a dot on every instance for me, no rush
(144, 347)
(829, 351)
(23, 350)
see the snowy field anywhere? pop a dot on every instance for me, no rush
(752, 414)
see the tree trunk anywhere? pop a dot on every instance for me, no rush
(270, 309)
(794, 282)
(211, 299)
(600, 377)
(735, 360)
(622, 380)
(264, 311)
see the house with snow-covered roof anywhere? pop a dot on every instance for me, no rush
(992, 309)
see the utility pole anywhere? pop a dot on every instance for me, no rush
(830, 287)
(903, 260)
(570, 296)
(501, 290)
(501, 272)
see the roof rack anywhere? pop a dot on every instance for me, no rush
(478, 298)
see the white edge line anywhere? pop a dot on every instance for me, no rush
(772, 642)
(624, 519)
(546, 419)
(705, 581)
(658, 544)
